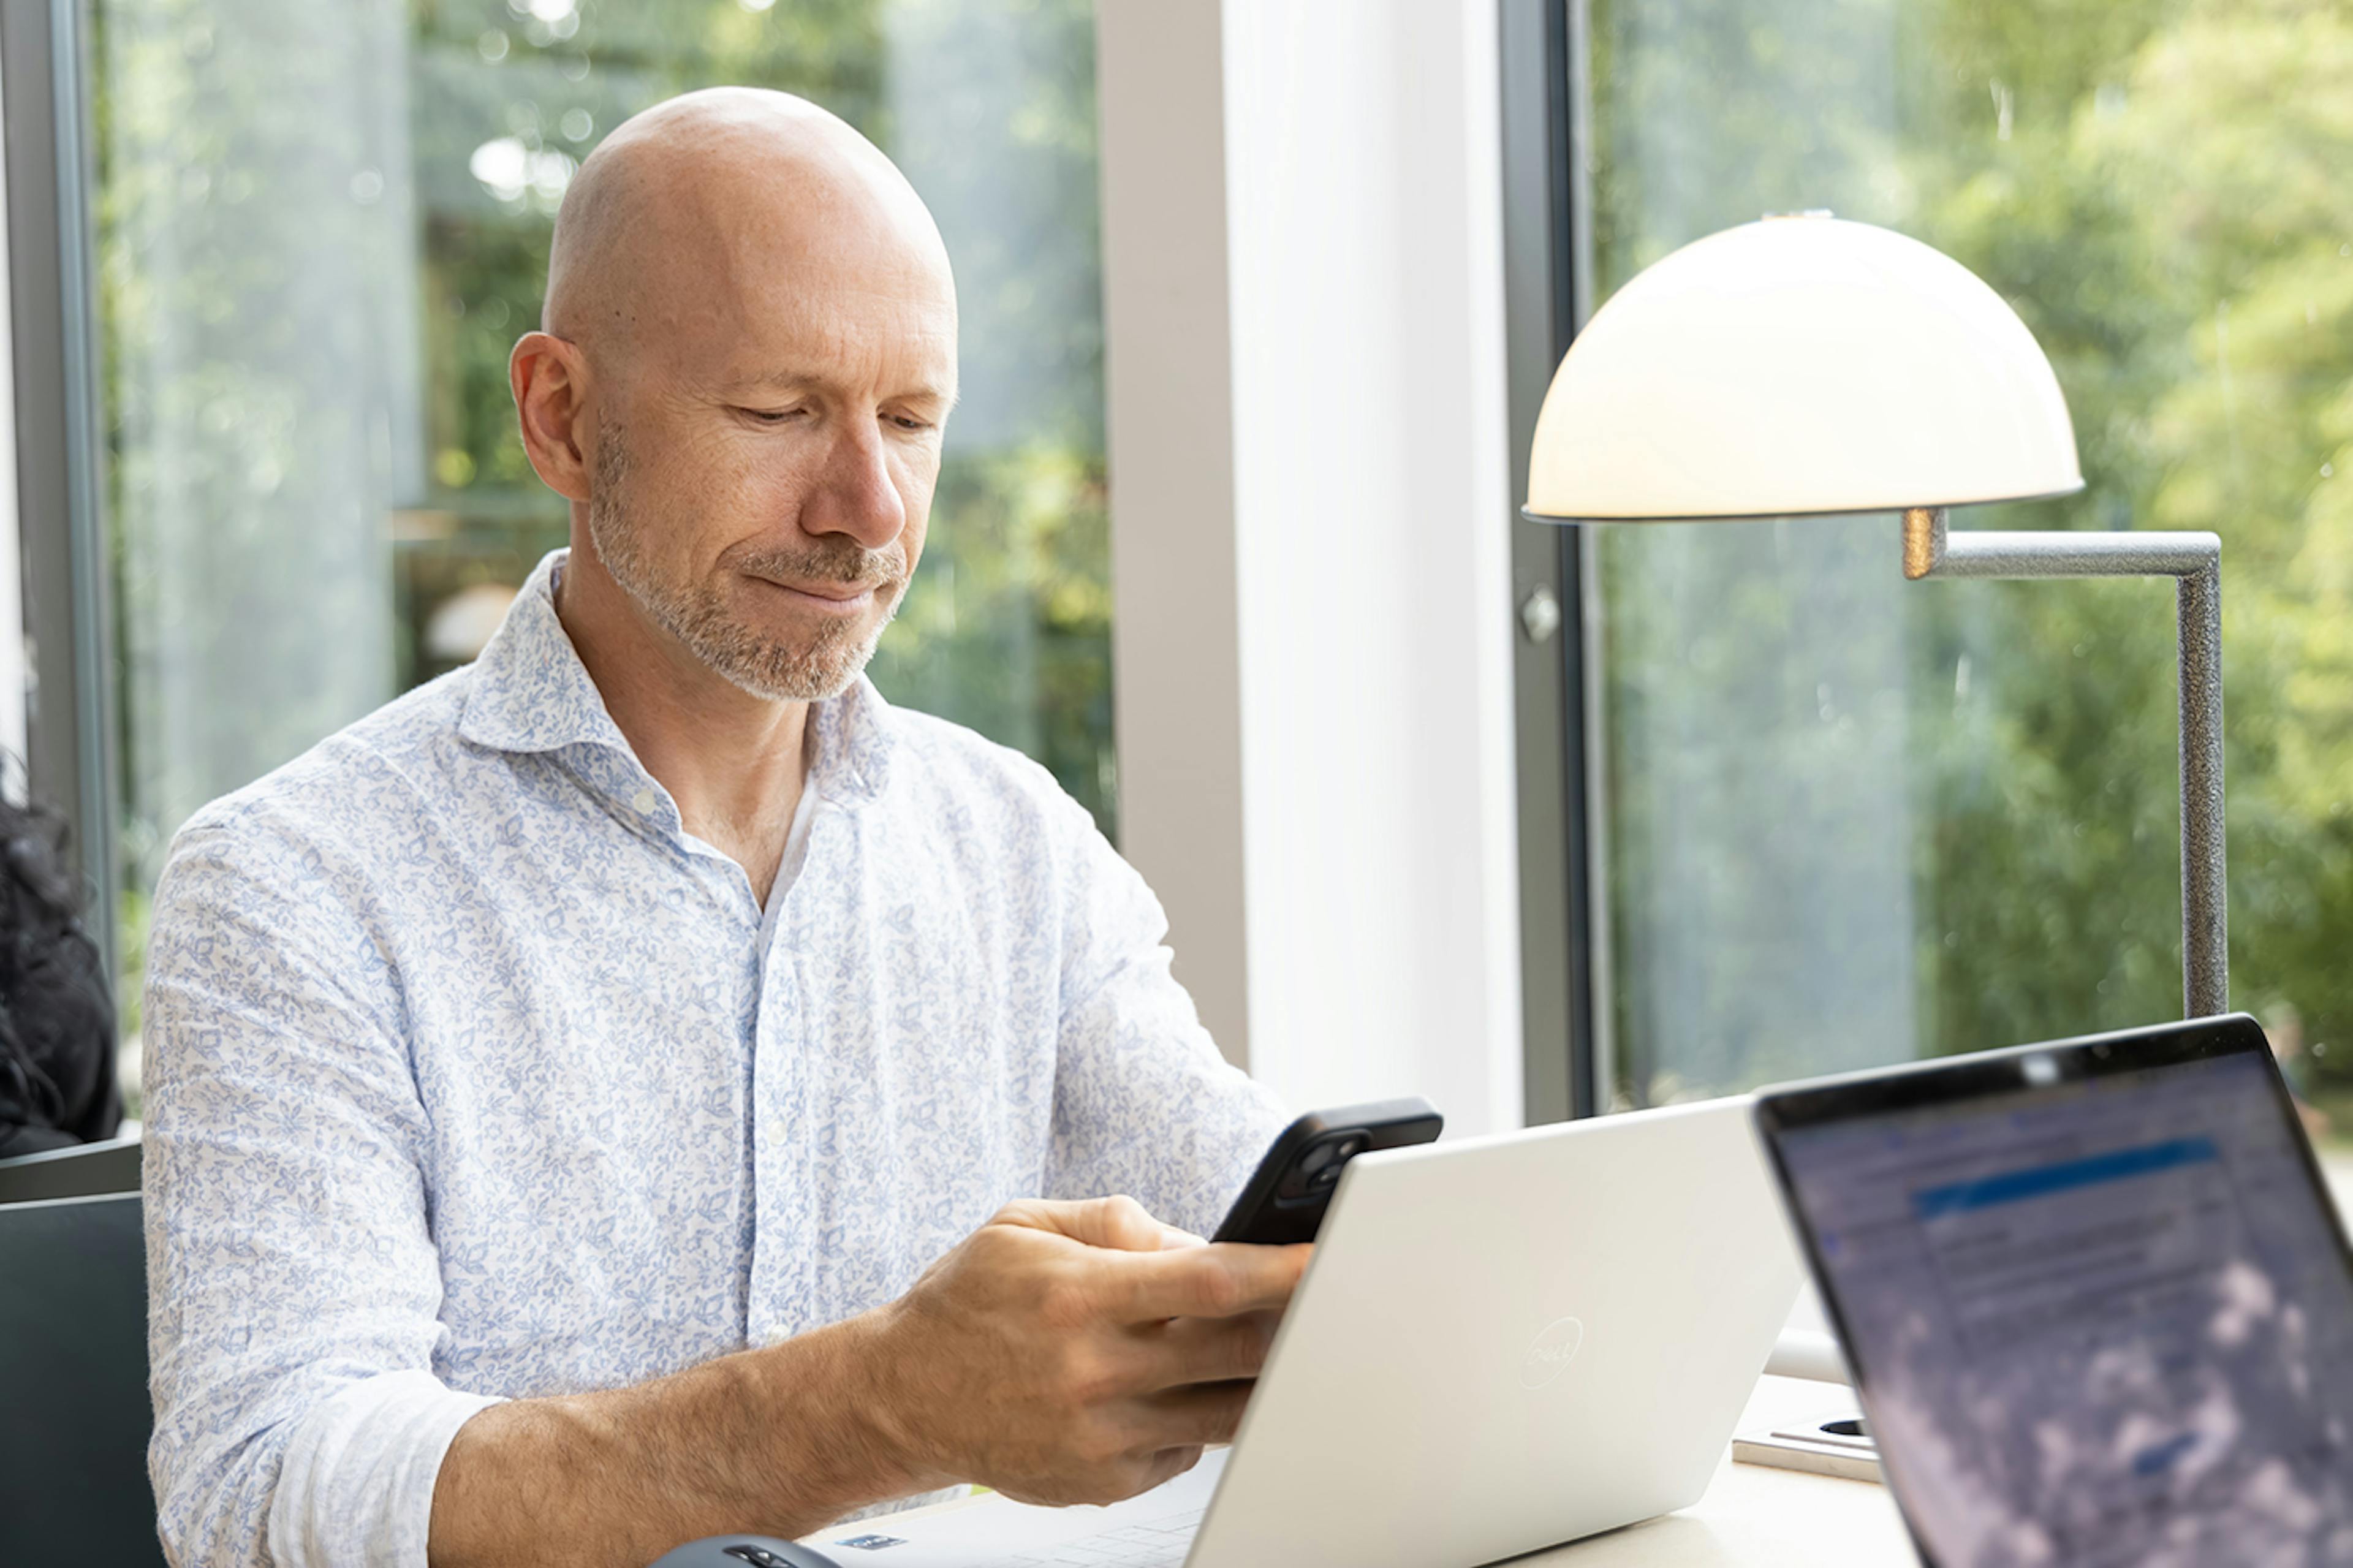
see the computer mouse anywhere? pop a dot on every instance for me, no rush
(743, 1552)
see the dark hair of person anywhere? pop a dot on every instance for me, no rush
(57, 1020)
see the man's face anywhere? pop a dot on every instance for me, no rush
(767, 439)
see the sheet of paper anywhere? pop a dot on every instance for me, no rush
(990, 1532)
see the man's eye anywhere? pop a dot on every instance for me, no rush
(909, 422)
(770, 416)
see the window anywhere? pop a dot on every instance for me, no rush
(1849, 820)
(320, 227)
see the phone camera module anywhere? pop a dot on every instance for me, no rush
(1322, 1164)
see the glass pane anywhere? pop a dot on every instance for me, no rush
(1852, 820)
(323, 225)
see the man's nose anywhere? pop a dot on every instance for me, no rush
(855, 494)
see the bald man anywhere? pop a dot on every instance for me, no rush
(641, 1084)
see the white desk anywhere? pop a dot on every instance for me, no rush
(1758, 1517)
(1752, 1517)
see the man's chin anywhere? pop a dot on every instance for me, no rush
(765, 644)
(795, 671)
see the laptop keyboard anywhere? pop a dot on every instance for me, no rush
(1159, 1544)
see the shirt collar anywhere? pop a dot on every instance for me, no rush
(530, 692)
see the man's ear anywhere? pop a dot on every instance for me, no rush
(550, 380)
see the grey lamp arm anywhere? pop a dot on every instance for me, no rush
(1809, 1354)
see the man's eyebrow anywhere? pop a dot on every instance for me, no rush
(775, 380)
(788, 380)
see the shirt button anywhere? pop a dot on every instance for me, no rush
(645, 801)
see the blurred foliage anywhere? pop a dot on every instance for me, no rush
(245, 271)
(1802, 746)
(321, 229)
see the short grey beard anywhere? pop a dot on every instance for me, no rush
(817, 671)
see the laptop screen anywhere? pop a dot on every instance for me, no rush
(2098, 1318)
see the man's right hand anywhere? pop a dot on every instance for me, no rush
(1070, 1352)
(1063, 1353)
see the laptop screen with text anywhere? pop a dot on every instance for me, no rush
(2097, 1319)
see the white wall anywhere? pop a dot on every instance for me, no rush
(1304, 296)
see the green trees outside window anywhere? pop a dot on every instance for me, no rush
(1853, 820)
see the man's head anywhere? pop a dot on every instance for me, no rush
(748, 353)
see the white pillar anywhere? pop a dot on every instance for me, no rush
(1303, 303)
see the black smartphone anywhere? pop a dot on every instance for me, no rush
(1293, 1184)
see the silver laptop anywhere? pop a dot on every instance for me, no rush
(1503, 1344)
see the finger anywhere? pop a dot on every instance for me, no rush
(1183, 1351)
(1133, 1475)
(1118, 1223)
(1169, 1463)
(1221, 1280)
(1202, 1413)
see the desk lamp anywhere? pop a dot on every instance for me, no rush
(1806, 366)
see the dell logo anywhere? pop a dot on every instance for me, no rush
(1550, 1352)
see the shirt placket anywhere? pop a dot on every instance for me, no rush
(768, 1028)
(783, 1064)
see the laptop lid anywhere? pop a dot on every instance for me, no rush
(2098, 1305)
(1507, 1342)
(73, 1360)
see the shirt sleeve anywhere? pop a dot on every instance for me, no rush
(293, 1287)
(1143, 1104)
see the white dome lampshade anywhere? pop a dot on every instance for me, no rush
(1794, 365)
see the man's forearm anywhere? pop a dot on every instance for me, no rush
(615, 1479)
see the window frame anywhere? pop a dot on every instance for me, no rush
(1548, 273)
(67, 629)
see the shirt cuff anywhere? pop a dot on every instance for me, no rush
(355, 1486)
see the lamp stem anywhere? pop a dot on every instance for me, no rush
(2195, 562)
(2205, 889)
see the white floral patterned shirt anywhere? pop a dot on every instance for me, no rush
(471, 1075)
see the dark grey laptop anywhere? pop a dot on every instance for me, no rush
(73, 1360)
(2098, 1304)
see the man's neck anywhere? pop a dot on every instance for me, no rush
(734, 762)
